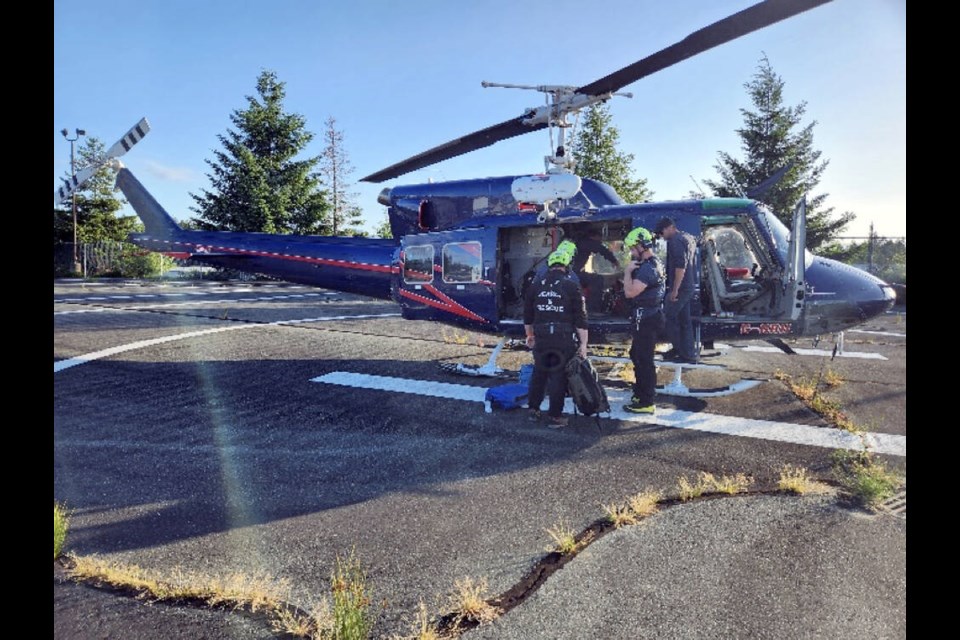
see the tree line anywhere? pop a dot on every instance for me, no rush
(259, 180)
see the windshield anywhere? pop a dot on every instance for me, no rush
(781, 236)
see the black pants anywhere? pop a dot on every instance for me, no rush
(594, 289)
(550, 373)
(641, 354)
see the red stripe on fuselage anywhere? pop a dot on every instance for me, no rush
(346, 264)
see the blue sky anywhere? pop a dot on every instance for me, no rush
(403, 77)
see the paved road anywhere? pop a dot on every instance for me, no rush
(216, 453)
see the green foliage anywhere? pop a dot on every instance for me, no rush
(864, 476)
(335, 170)
(256, 182)
(770, 140)
(383, 229)
(595, 149)
(61, 523)
(98, 203)
(887, 259)
(135, 262)
(351, 602)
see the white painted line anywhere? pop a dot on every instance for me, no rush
(705, 422)
(878, 333)
(197, 303)
(105, 353)
(403, 385)
(96, 310)
(863, 355)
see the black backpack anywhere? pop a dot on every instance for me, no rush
(584, 386)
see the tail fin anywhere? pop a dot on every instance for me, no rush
(155, 219)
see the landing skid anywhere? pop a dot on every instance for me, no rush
(676, 387)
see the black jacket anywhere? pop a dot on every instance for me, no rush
(555, 298)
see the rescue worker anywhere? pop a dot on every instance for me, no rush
(587, 245)
(644, 284)
(681, 285)
(555, 321)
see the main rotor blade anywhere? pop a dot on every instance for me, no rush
(739, 24)
(469, 142)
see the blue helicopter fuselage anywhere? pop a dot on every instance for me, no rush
(463, 250)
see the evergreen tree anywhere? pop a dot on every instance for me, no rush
(335, 168)
(770, 141)
(98, 203)
(595, 149)
(256, 182)
(383, 230)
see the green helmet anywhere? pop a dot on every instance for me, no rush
(638, 236)
(559, 257)
(567, 246)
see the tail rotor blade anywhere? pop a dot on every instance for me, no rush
(130, 138)
(74, 183)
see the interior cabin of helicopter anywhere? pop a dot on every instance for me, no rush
(739, 271)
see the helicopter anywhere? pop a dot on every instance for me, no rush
(463, 250)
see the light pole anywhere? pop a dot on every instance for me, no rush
(73, 171)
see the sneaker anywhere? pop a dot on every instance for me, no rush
(636, 407)
(558, 422)
(535, 415)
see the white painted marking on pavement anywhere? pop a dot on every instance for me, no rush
(97, 355)
(863, 355)
(403, 385)
(197, 303)
(675, 418)
(878, 333)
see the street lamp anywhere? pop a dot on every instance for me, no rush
(73, 171)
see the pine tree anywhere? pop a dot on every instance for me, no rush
(97, 203)
(595, 149)
(256, 182)
(383, 230)
(770, 141)
(335, 168)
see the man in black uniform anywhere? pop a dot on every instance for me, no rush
(681, 285)
(643, 285)
(555, 320)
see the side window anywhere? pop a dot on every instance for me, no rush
(418, 264)
(462, 262)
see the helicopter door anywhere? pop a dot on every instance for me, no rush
(450, 276)
(794, 278)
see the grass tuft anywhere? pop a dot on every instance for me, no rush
(832, 379)
(347, 619)
(730, 485)
(796, 480)
(564, 538)
(469, 602)
(61, 523)
(424, 626)
(865, 477)
(351, 602)
(709, 483)
(688, 490)
(808, 391)
(644, 503)
(619, 515)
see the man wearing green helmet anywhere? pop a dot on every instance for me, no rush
(555, 321)
(644, 284)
